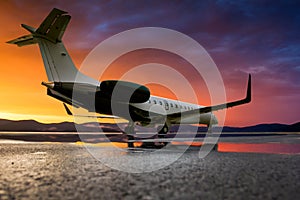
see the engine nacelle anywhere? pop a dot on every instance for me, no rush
(124, 91)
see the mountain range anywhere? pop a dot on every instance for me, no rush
(34, 126)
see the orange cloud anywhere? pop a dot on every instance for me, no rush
(22, 71)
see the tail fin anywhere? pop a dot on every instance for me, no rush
(58, 64)
(52, 29)
(54, 26)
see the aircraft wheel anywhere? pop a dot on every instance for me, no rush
(129, 131)
(162, 132)
(130, 144)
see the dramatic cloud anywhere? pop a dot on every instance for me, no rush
(258, 37)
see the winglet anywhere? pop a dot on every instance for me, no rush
(67, 109)
(248, 97)
(207, 109)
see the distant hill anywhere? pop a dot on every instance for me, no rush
(34, 126)
(256, 128)
(265, 128)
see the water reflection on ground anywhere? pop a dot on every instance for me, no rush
(260, 148)
(272, 143)
(221, 147)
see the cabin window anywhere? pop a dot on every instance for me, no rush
(160, 103)
(154, 101)
(171, 105)
(149, 101)
(166, 105)
(184, 107)
(176, 106)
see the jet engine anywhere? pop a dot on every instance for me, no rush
(124, 91)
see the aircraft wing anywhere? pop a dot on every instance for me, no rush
(208, 109)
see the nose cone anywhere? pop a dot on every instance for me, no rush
(48, 85)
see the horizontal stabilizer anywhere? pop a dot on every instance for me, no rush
(28, 28)
(23, 41)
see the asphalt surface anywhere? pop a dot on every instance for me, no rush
(68, 171)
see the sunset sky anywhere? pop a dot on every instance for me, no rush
(257, 37)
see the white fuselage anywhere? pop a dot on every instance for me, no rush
(165, 106)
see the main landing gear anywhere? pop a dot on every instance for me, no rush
(162, 132)
(129, 130)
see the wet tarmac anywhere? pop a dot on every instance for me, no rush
(69, 171)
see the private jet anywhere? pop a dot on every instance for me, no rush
(133, 101)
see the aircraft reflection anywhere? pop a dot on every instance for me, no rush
(269, 148)
(271, 143)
